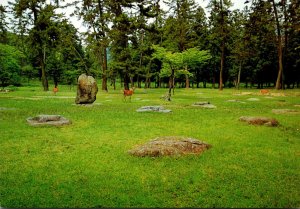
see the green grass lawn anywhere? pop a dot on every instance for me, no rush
(86, 164)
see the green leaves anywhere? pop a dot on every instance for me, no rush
(179, 61)
(9, 65)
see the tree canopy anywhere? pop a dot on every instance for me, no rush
(139, 41)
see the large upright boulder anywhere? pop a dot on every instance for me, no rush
(86, 90)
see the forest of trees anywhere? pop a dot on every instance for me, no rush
(139, 43)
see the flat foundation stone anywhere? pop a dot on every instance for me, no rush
(259, 120)
(170, 146)
(153, 109)
(235, 100)
(253, 99)
(285, 111)
(204, 105)
(52, 120)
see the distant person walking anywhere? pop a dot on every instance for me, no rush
(55, 90)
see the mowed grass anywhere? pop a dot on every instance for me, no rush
(86, 164)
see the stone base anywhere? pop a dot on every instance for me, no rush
(169, 146)
(259, 120)
(153, 109)
(53, 120)
(204, 105)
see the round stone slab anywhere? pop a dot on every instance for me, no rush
(253, 99)
(170, 146)
(204, 105)
(285, 111)
(52, 120)
(153, 109)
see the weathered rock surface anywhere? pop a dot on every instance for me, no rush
(259, 120)
(204, 105)
(153, 109)
(86, 90)
(285, 111)
(53, 120)
(169, 146)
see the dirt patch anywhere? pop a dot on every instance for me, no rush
(53, 120)
(285, 111)
(170, 146)
(259, 120)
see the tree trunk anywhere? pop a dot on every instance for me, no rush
(239, 76)
(222, 48)
(214, 82)
(131, 82)
(103, 53)
(104, 70)
(44, 78)
(222, 66)
(187, 82)
(126, 80)
(171, 84)
(43, 69)
(159, 82)
(138, 81)
(149, 82)
(279, 46)
(187, 79)
(285, 40)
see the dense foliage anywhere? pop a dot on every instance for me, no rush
(258, 46)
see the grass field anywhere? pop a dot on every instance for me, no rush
(86, 164)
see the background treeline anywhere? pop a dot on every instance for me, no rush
(139, 43)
